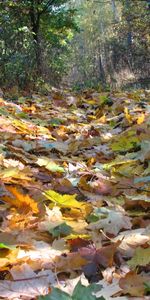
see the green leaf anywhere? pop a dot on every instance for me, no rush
(141, 257)
(61, 230)
(50, 165)
(147, 287)
(92, 218)
(55, 168)
(81, 292)
(4, 246)
(84, 293)
(55, 122)
(125, 143)
(56, 294)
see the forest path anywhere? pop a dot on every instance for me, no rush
(75, 187)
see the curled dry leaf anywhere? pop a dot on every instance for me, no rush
(131, 239)
(26, 283)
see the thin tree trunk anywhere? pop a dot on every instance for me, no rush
(129, 34)
(115, 12)
(35, 25)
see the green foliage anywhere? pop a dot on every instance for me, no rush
(38, 42)
(80, 292)
(35, 37)
(113, 49)
(61, 230)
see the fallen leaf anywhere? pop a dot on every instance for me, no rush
(141, 257)
(108, 222)
(80, 292)
(133, 284)
(105, 255)
(63, 200)
(21, 201)
(69, 262)
(131, 239)
(53, 217)
(141, 119)
(50, 165)
(8, 256)
(107, 290)
(26, 283)
(127, 115)
(4, 246)
(61, 230)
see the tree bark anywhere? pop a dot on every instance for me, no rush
(128, 18)
(35, 26)
(115, 12)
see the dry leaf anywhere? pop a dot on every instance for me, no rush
(21, 201)
(133, 284)
(26, 283)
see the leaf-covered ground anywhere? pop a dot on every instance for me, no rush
(75, 196)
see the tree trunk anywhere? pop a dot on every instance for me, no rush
(35, 25)
(115, 12)
(128, 18)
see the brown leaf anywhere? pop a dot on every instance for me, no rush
(105, 255)
(133, 284)
(101, 257)
(78, 243)
(69, 262)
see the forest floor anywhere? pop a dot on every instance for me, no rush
(75, 196)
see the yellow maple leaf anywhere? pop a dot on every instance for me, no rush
(141, 119)
(63, 200)
(8, 257)
(21, 126)
(127, 115)
(21, 201)
(102, 120)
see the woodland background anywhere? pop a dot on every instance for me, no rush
(75, 150)
(79, 43)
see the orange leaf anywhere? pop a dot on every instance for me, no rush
(21, 201)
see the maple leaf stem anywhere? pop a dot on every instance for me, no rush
(106, 235)
(30, 278)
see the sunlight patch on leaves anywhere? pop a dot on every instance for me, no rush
(63, 200)
(50, 165)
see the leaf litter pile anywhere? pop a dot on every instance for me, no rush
(75, 196)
